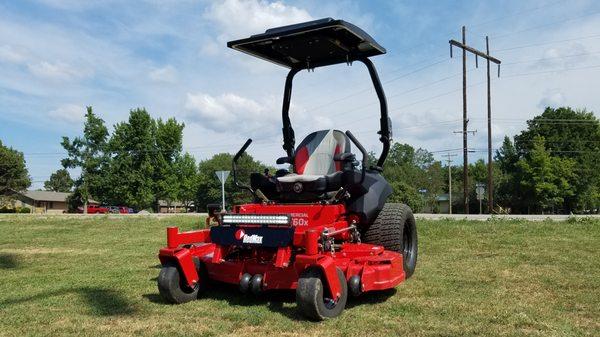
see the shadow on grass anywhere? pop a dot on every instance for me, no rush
(372, 297)
(106, 302)
(100, 301)
(8, 261)
(274, 300)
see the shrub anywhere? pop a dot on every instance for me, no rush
(6, 210)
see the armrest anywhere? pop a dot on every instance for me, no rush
(346, 156)
(284, 160)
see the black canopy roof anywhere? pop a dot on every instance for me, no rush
(310, 44)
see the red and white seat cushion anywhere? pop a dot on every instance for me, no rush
(314, 156)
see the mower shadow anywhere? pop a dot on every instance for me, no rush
(273, 300)
(8, 261)
(100, 301)
(372, 297)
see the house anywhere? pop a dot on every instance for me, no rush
(173, 207)
(42, 201)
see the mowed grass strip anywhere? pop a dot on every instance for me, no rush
(97, 277)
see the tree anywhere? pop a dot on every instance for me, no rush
(547, 180)
(508, 184)
(569, 134)
(13, 172)
(209, 187)
(60, 181)
(132, 171)
(187, 175)
(169, 137)
(410, 171)
(88, 152)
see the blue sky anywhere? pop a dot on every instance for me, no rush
(58, 56)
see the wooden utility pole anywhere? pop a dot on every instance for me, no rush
(489, 59)
(449, 161)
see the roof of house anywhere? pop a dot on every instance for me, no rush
(46, 195)
(50, 196)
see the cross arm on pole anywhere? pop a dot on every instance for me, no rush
(473, 50)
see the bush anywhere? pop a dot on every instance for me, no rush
(25, 210)
(6, 210)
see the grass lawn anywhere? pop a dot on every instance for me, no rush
(97, 277)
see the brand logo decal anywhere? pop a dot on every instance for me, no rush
(241, 235)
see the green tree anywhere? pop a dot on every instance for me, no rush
(187, 175)
(169, 137)
(88, 152)
(209, 187)
(13, 171)
(132, 170)
(508, 183)
(547, 180)
(569, 134)
(60, 181)
(410, 171)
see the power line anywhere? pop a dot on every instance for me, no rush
(497, 37)
(547, 42)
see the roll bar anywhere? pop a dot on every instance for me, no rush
(385, 127)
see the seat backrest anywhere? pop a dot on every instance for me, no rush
(315, 153)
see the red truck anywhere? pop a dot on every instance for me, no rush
(94, 209)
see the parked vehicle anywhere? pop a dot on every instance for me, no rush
(94, 209)
(113, 209)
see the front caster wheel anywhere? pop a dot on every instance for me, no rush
(313, 300)
(172, 286)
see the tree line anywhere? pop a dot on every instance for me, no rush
(550, 167)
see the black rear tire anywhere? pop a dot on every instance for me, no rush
(395, 229)
(311, 297)
(172, 286)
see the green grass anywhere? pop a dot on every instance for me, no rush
(97, 277)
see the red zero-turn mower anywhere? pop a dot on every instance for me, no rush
(323, 229)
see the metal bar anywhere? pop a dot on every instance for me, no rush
(465, 125)
(342, 230)
(490, 181)
(384, 131)
(289, 140)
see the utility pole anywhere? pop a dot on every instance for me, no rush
(489, 59)
(449, 161)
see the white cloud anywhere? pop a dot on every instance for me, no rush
(70, 113)
(552, 98)
(563, 57)
(166, 74)
(11, 54)
(58, 71)
(229, 112)
(238, 19)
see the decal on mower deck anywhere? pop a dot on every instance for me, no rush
(240, 234)
(251, 236)
(299, 219)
